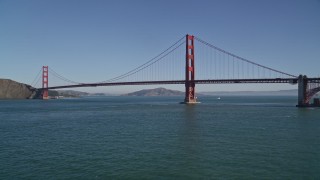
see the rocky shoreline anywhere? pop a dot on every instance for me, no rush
(10, 89)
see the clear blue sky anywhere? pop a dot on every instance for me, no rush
(90, 40)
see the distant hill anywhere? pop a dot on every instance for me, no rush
(71, 93)
(168, 92)
(66, 93)
(101, 94)
(97, 94)
(156, 92)
(291, 92)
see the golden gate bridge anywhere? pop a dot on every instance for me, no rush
(180, 63)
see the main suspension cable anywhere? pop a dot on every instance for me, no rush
(145, 64)
(240, 58)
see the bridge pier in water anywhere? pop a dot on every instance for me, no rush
(307, 88)
(302, 91)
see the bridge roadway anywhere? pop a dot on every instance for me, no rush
(207, 81)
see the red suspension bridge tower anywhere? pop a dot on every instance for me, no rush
(190, 97)
(45, 81)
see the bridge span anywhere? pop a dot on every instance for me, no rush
(215, 66)
(209, 81)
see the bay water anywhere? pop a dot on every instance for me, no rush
(158, 138)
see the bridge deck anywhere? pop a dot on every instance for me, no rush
(208, 81)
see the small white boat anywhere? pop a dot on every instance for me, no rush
(218, 98)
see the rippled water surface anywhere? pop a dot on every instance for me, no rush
(155, 137)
